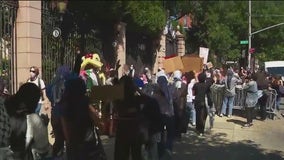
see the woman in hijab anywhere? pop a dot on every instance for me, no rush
(76, 121)
(164, 96)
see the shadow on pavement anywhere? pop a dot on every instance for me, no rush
(215, 147)
(236, 121)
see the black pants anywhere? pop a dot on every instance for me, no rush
(127, 142)
(58, 145)
(262, 104)
(249, 114)
(167, 136)
(201, 114)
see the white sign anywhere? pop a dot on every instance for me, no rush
(56, 32)
(203, 53)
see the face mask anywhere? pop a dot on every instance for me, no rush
(32, 75)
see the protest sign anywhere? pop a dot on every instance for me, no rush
(172, 64)
(203, 53)
(192, 63)
(106, 92)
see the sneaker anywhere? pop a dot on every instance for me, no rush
(193, 124)
(229, 116)
(221, 115)
(246, 125)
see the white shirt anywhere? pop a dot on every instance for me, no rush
(37, 134)
(190, 97)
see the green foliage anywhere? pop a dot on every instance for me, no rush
(269, 44)
(220, 25)
(146, 15)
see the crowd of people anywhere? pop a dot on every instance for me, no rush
(156, 110)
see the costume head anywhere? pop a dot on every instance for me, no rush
(91, 70)
(91, 61)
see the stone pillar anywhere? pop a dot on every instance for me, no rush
(160, 54)
(28, 39)
(121, 46)
(181, 44)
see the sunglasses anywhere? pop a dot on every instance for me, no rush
(32, 71)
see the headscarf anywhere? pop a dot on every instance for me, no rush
(163, 84)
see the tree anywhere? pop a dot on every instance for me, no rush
(220, 25)
(143, 18)
(269, 44)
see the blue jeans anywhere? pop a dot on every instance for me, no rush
(191, 112)
(228, 101)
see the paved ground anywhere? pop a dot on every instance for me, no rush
(228, 141)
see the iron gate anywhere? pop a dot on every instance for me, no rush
(62, 50)
(8, 12)
(55, 50)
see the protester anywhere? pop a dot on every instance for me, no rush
(262, 85)
(201, 90)
(29, 137)
(276, 84)
(190, 98)
(5, 126)
(34, 78)
(77, 123)
(250, 87)
(54, 94)
(211, 110)
(128, 140)
(230, 82)
(179, 102)
(163, 94)
(153, 118)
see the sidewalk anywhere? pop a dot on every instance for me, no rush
(228, 141)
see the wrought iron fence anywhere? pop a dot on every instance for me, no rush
(62, 51)
(8, 12)
(56, 51)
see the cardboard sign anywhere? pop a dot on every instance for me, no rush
(172, 64)
(107, 92)
(209, 65)
(203, 53)
(192, 63)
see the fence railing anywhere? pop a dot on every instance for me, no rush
(240, 98)
(8, 12)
